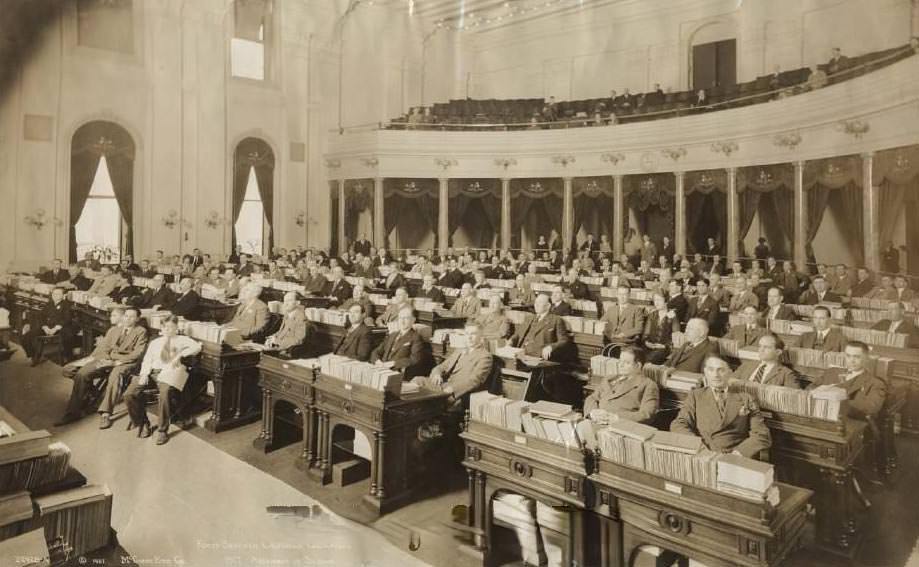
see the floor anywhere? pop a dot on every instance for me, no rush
(200, 499)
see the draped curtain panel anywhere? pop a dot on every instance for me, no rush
(769, 191)
(462, 194)
(404, 202)
(896, 172)
(593, 205)
(358, 199)
(254, 153)
(333, 212)
(525, 194)
(849, 208)
(90, 142)
(706, 215)
(652, 198)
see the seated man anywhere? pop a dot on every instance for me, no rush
(186, 302)
(657, 334)
(163, 365)
(768, 369)
(394, 279)
(105, 282)
(624, 321)
(125, 293)
(776, 308)
(493, 321)
(252, 314)
(404, 350)
(428, 291)
(116, 354)
(727, 422)
(295, 328)
(576, 287)
(467, 304)
(866, 392)
(316, 281)
(746, 298)
(356, 341)
(819, 293)
(896, 324)
(704, 306)
(56, 274)
(53, 319)
(464, 371)
(158, 296)
(521, 293)
(77, 279)
(749, 331)
(825, 337)
(543, 334)
(559, 306)
(631, 395)
(399, 301)
(338, 289)
(692, 354)
(358, 297)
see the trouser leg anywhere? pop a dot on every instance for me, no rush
(113, 389)
(136, 400)
(164, 406)
(82, 377)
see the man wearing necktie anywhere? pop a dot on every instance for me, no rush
(624, 322)
(467, 304)
(542, 335)
(748, 332)
(691, 355)
(464, 371)
(895, 323)
(866, 392)
(819, 293)
(825, 337)
(776, 309)
(338, 288)
(727, 421)
(356, 341)
(629, 395)
(768, 369)
(404, 350)
(252, 314)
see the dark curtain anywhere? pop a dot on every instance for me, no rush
(849, 208)
(492, 206)
(121, 171)
(398, 209)
(594, 214)
(264, 175)
(748, 205)
(784, 208)
(359, 198)
(392, 209)
(82, 172)
(333, 211)
(253, 152)
(553, 205)
(458, 205)
(892, 196)
(520, 211)
(817, 198)
(695, 206)
(240, 178)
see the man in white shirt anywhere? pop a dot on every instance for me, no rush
(825, 336)
(895, 323)
(776, 307)
(768, 369)
(163, 364)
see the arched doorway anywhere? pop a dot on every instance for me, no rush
(253, 196)
(101, 192)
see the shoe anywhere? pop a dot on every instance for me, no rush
(104, 421)
(161, 437)
(67, 419)
(130, 425)
(144, 430)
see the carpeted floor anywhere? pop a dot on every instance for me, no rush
(170, 505)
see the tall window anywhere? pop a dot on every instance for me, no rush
(249, 45)
(106, 24)
(99, 229)
(250, 227)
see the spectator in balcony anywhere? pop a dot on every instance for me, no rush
(701, 98)
(817, 78)
(762, 250)
(655, 97)
(534, 122)
(612, 99)
(890, 259)
(624, 101)
(838, 62)
(605, 247)
(414, 117)
(550, 110)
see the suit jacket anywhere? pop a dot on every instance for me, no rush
(164, 297)
(524, 297)
(465, 370)
(104, 285)
(369, 272)
(494, 325)
(745, 336)
(53, 315)
(635, 398)
(861, 289)
(835, 341)
(434, 294)
(295, 328)
(186, 305)
(391, 313)
(660, 332)
(467, 306)
(809, 297)
(355, 344)
(906, 295)
(250, 319)
(394, 281)
(451, 278)
(691, 358)
(126, 294)
(707, 310)
(905, 328)
(628, 320)
(680, 305)
(563, 309)
(739, 301)
(125, 347)
(54, 277)
(866, 392)
(578, 289)
(778, 375)
(365, 303)
(363, 247)
(785, 313)
(532, 336)
(315, 285)
(649, 252)
(81, 282)
(740, 429)
(341, 290)
(409, 352)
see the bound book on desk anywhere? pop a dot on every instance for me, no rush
(16, 514)
(24, 446)
(82, 517)
(679, 442)
(683, 381)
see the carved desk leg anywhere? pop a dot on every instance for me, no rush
(381, 466)
(263, 441)
(375, 463)
(213, 423)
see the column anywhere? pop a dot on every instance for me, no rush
(567, 215)
(872, 219)
(733, 215)
(800, 254)
(679, 230)
(379, 226)
(618, 216)
(443, 227)
(342, 245)
(506, 214)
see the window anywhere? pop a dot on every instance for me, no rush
(106, 24)
(250, 228)
(100, 227)
(248, 47)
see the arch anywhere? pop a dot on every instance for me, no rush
(248, 153)
(90, 141)
(717, 29)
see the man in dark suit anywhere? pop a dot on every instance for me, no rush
(381, 259)
(749, 331)
(53, 319)
(394, 279)
(819, 293)
(315, 281)
(186, 302)
(768, 369)
(338, 288)
(727, 422)
(428, 290)
(590, 245)
(356, 341)
(77, 279)
(825, 337)
(362, 246)
(864, 283)
(452, 277)
(776, 308)
(866, 392)
(146, 270)
(895, 323)
(577, 288)
(624, 321)
(559, 306)
(544, 335)
(704, 306)
(692, 354)
(712, 248)
(56, 274)
(197, 259)
(404, 350)
(157, 296)
(676, 301)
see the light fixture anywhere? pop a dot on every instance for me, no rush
(39, 220)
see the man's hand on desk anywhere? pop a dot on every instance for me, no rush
(654, 345)
(389, 364)
(436, 378)
(546, 352)
(601, 416)
(105, 362)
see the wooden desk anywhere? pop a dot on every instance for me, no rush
(709, 526)
(389, 423)
(282, 381)
(588, 345)
(498, 459)
(237, 398)
(437, 321)
(92, 322)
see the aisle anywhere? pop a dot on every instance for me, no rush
(187, 502)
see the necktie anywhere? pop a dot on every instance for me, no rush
(759, 374)
(820, 338)
(719, 401)
(167, 353)
(455, 364)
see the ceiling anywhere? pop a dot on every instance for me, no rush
(484, 15)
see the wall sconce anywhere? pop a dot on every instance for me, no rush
(726, 148)
(674, 153)
(370, 162)
(612, 158)
(788, 140)
(300, 219)
(445, 163)
(563, 160)
(171, 219)
(38, 220)
(505, 162)
(333, 163)
(213, 220)
(856, 128)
